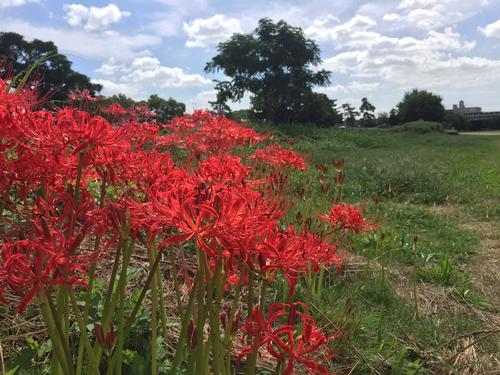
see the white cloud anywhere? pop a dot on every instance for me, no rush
(434, 14)
(204, 32)
(145, 75)
(87, 45)
(170, 21)
(93, 18)
(324, 31)
(492, 30)
(352, 87)
(15, 3)
(437, 60)
(392, 17)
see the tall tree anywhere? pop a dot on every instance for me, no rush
(394, 118)
(55, 75)
(367, 110)
(165, 110)
(349, 113)
(275, 63)
(421, 105)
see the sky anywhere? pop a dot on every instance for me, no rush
(374, 49)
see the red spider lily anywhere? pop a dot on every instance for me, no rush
(306, 347)
(28, 268)
(347, 218)
(81, 96)
(223, 169)
(295, 255)
(116, 109)
(279, 157)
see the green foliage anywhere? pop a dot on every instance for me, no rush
(56, 76)
(349, 114)
(367, 110)
(419, 127)
(275, 63)
(421, 105)
(165, 110)
(394, 118)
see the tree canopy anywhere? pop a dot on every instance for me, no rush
(165, 109)
(421, 105)
(55, 75)
(367, 110)
(275, 63)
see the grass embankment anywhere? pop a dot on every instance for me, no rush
(420, 292)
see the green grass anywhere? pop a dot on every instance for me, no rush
(414, 244)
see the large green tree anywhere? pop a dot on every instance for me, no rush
(165, 109)
(421, 105)
(276, 64)
(367, 111)
(349, 114)
(55, 75)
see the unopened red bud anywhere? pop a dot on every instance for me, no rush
(99, 334)
(192, 331)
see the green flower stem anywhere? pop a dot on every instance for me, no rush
(60, 358)
(251, 358)
(173, 260)
(229, 327)
(154, 312)
(61, 337)
(83, 333)
(179, 349)
(81, 159)
(88, 295)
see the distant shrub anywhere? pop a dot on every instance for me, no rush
(419, 127)
(452, 132)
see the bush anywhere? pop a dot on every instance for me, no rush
(419, 127)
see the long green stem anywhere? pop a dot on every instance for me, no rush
(179, 349)
(60, 357)
(90, 288)
(81, 158)
(173, 260)
(229, 328)
(154, 313)
(83, 333)
(61, 337)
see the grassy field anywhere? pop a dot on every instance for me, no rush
(420, 295)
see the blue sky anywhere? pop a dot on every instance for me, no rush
(377, 49)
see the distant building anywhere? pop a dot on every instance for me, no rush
(473, 113)
(462, 110)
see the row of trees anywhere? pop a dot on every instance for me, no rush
(56, 79)
(276, 64)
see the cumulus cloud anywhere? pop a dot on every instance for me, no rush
(434, 14)
(87, 45)
(169, 21)
(93, 18)
(352, 87)
(437, 60)
(492, 30)
(145, 75)
(204, 32)
(15, 3)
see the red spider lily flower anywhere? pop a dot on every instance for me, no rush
(116, 109)
(304, 346)
(28, 268)
(347, 218)
(295, 255)
(279, 157)
(223, 169)
(81, 96)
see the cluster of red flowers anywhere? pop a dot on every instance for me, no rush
(346, 217)
(53, 162)
(277, 156)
